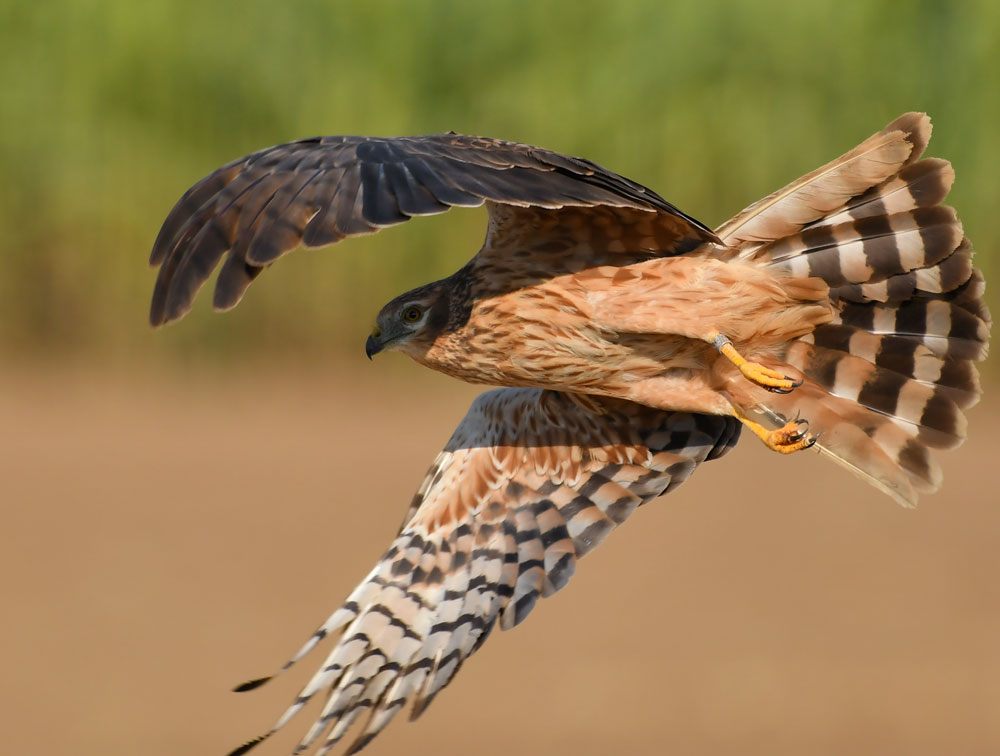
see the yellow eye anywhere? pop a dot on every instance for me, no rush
(412, 314)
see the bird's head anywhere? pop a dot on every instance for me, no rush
(410, 322)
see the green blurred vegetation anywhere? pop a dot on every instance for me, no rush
(110, 109)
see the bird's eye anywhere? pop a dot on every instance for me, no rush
(412, 314)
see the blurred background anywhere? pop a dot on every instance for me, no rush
(182, 506)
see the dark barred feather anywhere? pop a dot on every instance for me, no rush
(441, 588)
(319, 191)
(889, 377)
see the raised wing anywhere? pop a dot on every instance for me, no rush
(319, 191)
(530, 482)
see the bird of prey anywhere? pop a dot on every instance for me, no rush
(633, 342)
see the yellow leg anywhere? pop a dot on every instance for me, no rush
(791, 437)
(754, 372)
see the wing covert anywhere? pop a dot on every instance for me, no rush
(529, 482)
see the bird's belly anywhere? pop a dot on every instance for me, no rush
(586, 361)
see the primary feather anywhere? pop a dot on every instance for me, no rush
(530, 482)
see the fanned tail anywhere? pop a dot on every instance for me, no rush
(887, 380)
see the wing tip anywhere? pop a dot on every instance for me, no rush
(240, 750)
(252, 684)
(362, 741)
(157, 313)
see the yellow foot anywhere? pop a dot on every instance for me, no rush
(754, 372)
(789, 438)
(772, 380)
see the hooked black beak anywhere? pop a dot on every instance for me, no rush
(372, 347)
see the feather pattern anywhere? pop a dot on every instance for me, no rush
(828, 188)
(319, 191)
(888, 376)
(529, 482)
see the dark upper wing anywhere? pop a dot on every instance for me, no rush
(319, 191)
(529, 483)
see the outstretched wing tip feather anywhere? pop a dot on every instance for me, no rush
(491, 534)
(250, 744)
(252, 684)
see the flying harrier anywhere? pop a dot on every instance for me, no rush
(840, 313)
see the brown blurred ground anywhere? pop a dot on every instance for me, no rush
(166, 537)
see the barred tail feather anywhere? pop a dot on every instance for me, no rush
(906, 364)
(866, 443)
(888, 378)
(828, 189)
